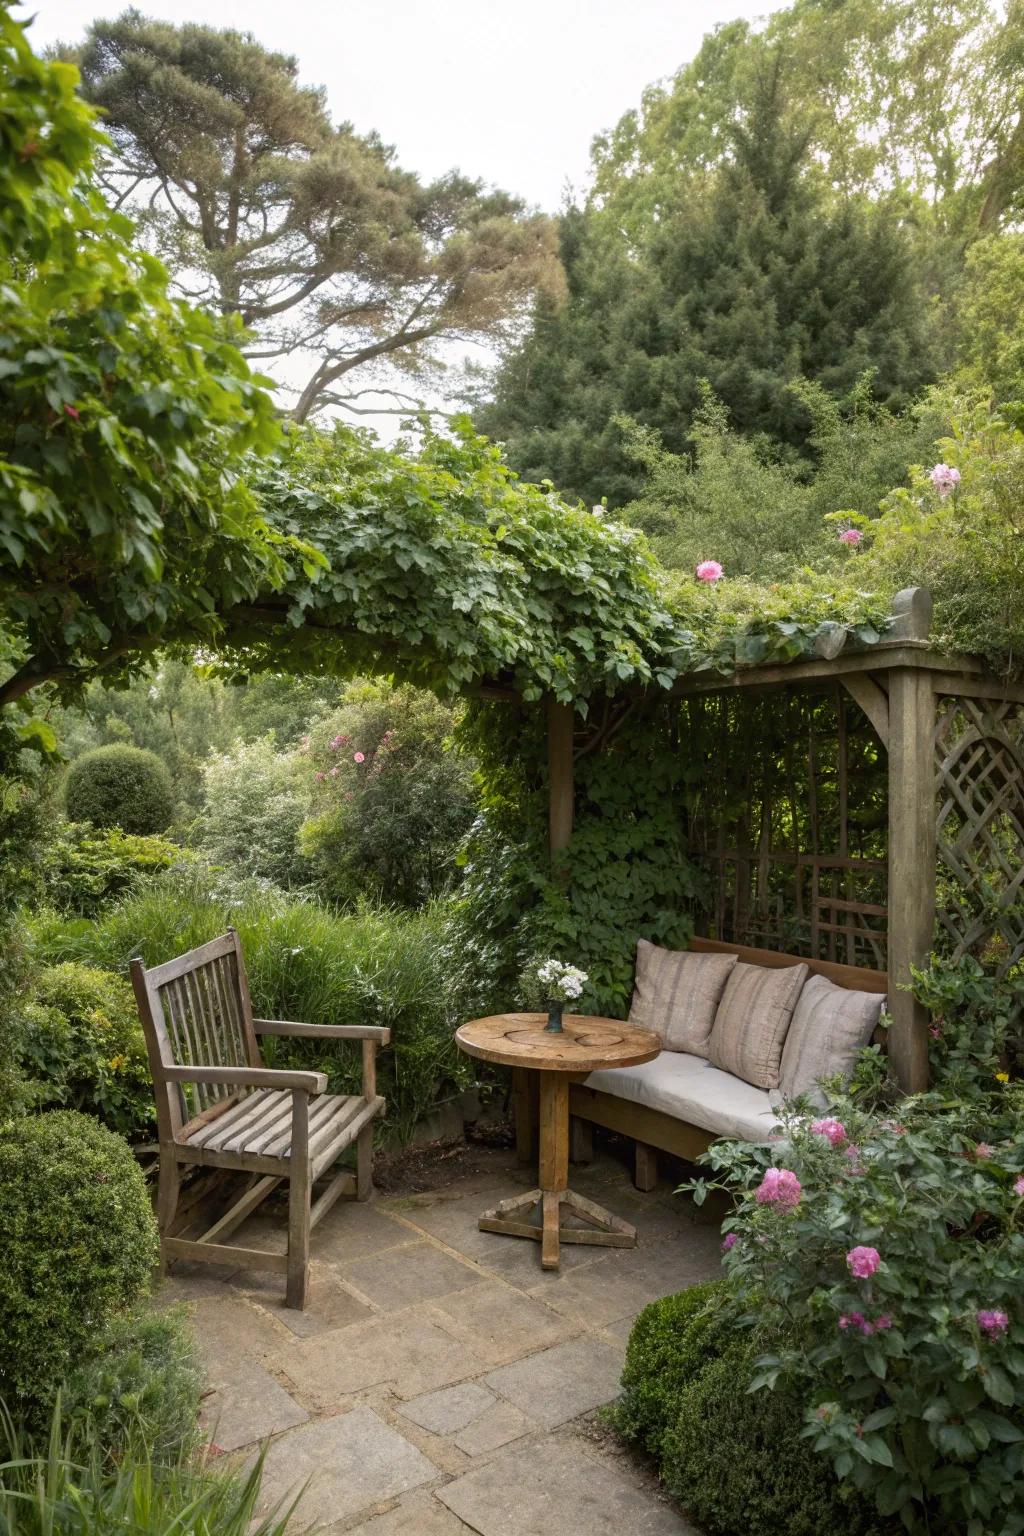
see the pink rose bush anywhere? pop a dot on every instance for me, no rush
(892, 1302)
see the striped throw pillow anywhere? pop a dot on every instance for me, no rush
(752, 1020)
(677, 995)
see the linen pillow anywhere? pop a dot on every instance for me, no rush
(677, 994)
(830, 1025)
(752, 1020)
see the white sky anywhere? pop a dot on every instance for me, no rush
(511, 91)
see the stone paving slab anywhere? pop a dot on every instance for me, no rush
(449, 1410)
(558, 1487)
(493, 1429)
(501, 1324)
(347, 1464)
(562, 1382)
(410, 1352)
(626, 1280)
(417, 1514)
(400, 1277)
(246, 1404)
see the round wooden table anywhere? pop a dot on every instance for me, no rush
(585, 1045)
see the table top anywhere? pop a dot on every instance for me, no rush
(586, 1044)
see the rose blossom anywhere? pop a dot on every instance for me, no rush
(831, 1128)
(863, 1261)
(710, 571)
(944, 478)
(359, 757)
(1018, 1187)
(780, 1186)
(983, 1152)
(727, 1241)
(851, 537)
(993, 1321)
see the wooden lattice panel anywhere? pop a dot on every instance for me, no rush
(790, 823)
(979, 757)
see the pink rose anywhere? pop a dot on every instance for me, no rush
(834, 1130)
(994, 1322)
(983, 1152)
(320, 777)
(851, 537)
(359, 757)
(863, 1262)
(1018, 1186)
(728, 1241)
(944, 478)
(709, 571)
(883, 1322)
(780, 1186)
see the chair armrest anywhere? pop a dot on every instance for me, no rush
(249, 1077)
(323, 1031)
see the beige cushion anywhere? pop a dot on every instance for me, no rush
(677, 994)
(752, 1020)
(830, 1026)
(691, 1089)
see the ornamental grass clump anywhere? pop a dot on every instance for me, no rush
(888, 1295)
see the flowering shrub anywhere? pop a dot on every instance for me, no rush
(883, 1261)
(973, 1013)
(391, 796)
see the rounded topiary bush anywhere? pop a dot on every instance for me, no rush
(735, 1460)
(78, 1247)
(120, 786)
(670, 1342)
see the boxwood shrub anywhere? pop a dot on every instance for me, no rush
(120, 786)
(735, 1461)
(78, 1248)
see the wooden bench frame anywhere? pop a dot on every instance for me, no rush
(198, 1006)
(652, 1129)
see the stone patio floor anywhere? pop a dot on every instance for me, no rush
(439, 1381)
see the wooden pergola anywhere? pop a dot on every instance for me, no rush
(952, 736)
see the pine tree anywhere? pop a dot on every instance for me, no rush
(753, 277)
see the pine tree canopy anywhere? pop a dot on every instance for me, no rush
(333, 255)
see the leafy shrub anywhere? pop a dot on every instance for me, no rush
(392, 798)
(79, 1244)
(731, 1459)
(975, 1022)
(140, 1390)
(884, 1266)
(405, 971)
(255, 799)
(84, 866)
(84, 1047)
(120, 786)
(736, 1461)
(669, 1344)
(70, 1489)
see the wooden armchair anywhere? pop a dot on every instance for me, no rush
(218, 1106)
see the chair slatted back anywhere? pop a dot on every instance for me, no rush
(196, 1010)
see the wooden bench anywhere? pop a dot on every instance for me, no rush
(219, 1106)
(655, 1131)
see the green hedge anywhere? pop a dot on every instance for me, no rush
(77, 1247)
(120, 786)
(405, 971)
(734, 1460)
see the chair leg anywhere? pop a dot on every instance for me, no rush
(364, 1163)
(299, 1198)
(167, 1192)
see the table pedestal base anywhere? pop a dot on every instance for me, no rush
(514, 1216)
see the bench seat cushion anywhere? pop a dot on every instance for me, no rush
(690, 1088)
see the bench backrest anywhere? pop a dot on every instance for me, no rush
(857, 977)
(195, 1010)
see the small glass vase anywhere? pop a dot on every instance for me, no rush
(554, 1023)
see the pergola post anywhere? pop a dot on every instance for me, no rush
(560, 775)
(911, 865)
